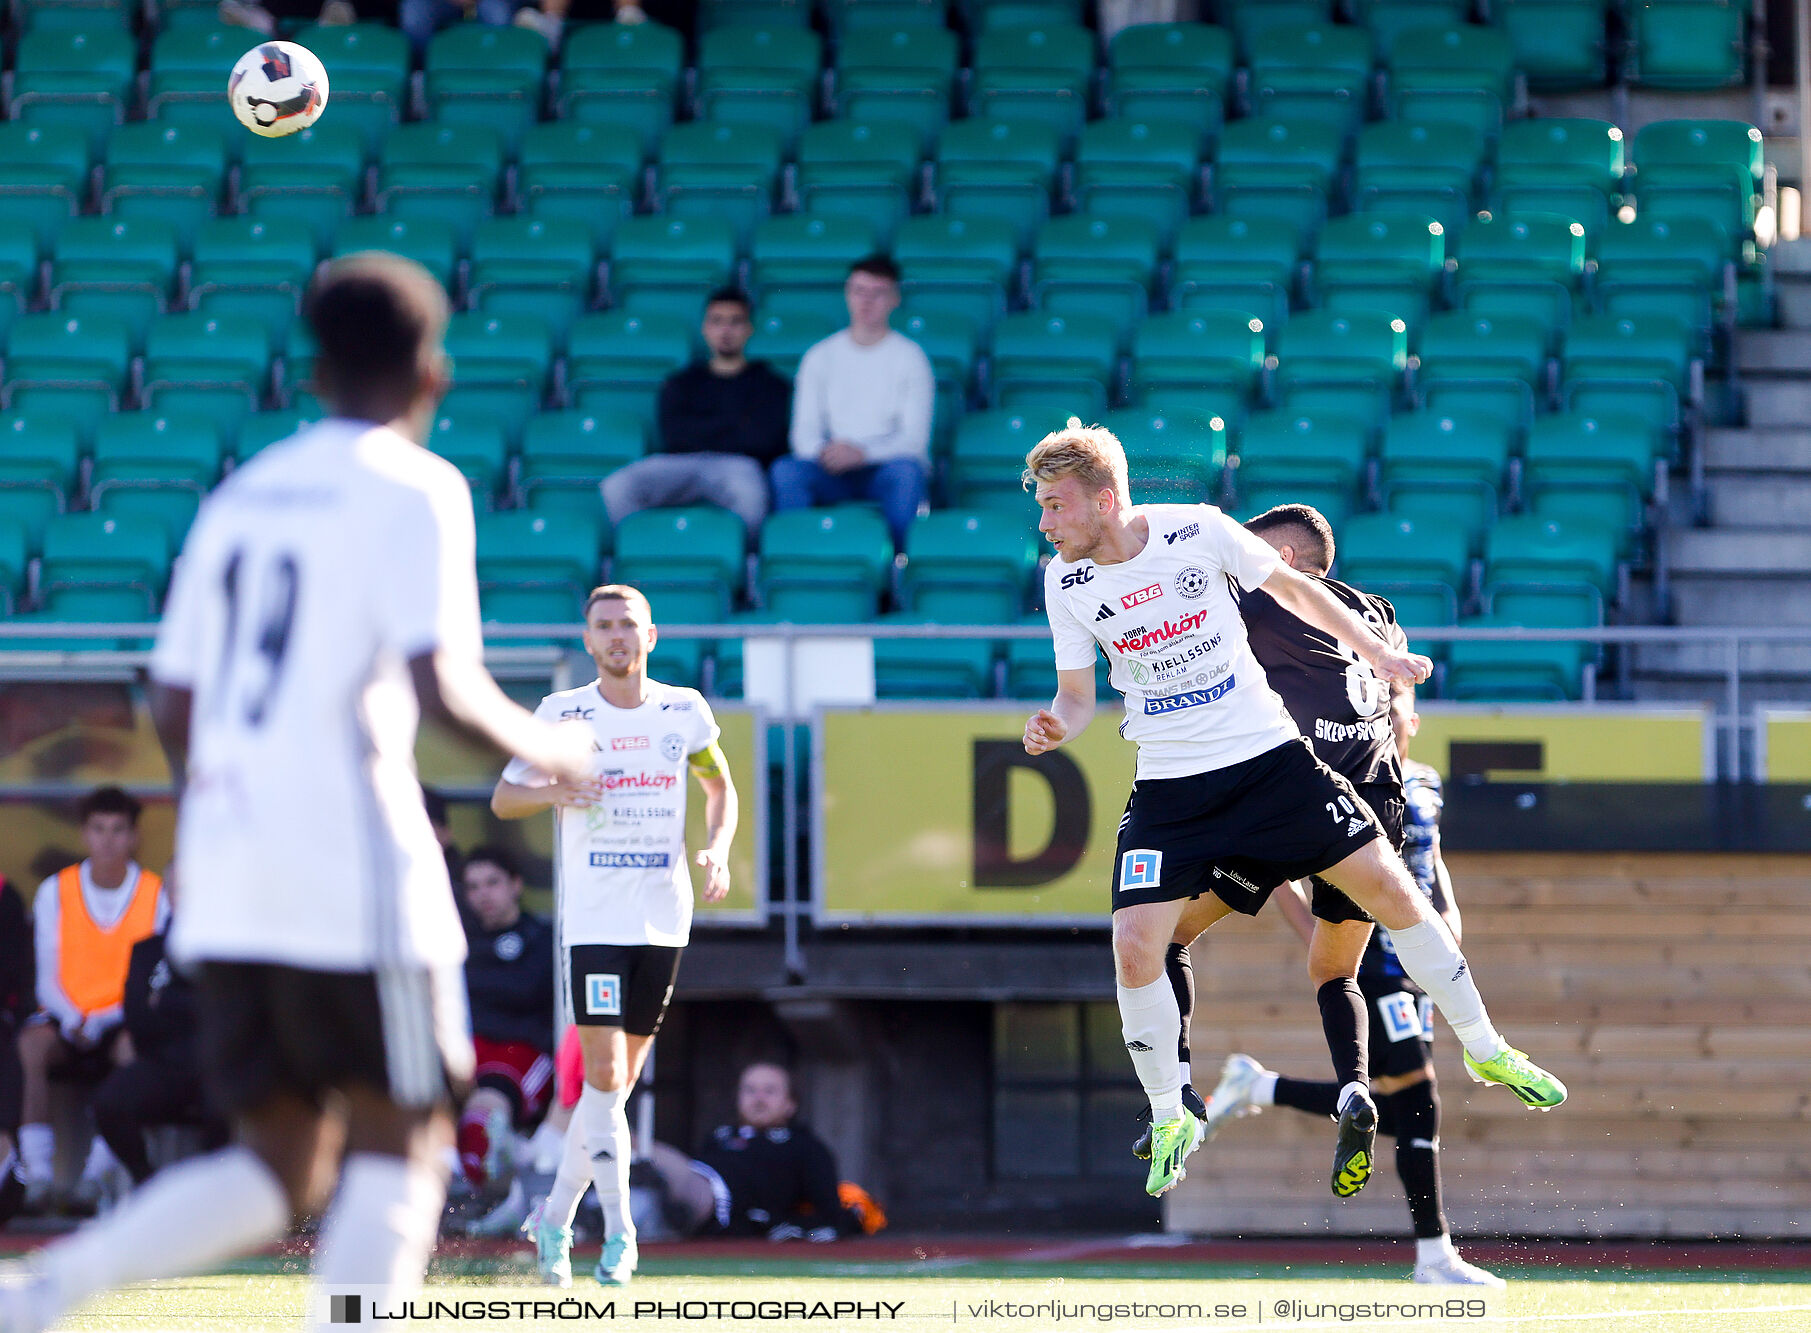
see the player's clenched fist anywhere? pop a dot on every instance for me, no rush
(1044, 731)
(1402, 668)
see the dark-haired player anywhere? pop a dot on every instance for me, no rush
(325, 597)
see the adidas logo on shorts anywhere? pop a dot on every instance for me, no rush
(1356, 827)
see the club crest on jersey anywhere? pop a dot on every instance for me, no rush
(1076, 578)
(508, 946)
(672, 745)
(1191, 582)
(1142, 596)
(1140, 870)
(604, 994)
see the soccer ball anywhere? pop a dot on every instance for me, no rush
(277, 88)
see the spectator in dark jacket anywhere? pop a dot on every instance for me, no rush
(18, 997)
(509, 978)
(722, 422)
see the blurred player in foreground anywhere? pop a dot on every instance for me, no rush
(622, 897)
(325, 598)
(1229, 800)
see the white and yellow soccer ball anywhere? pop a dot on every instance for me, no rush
(277, 88)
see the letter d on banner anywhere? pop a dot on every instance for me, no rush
(994, 864)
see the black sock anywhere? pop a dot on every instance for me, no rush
(1181, 973)
(1415, 1113)
(1312, 1096)
(1348, 1029)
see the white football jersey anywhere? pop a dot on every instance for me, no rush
(311, 577)
(621, 871)
(1196, 698)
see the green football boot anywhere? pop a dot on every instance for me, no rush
(1520, 1075)
(1171, 1143)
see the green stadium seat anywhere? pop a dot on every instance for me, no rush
(40, 469)
(440, 171)
(1409, 559)
(542, 268)
(502, 364)
(476, 443)
(154, 467)
(315, 176)
(215, 366)
(43, 177)
(1513, 670)
(1249, 19)
(1031, 667)
(851, 17)
(987, 460)
(759, 76)
(431, 242)
(1042, 73)
(19, 265)
(1348, 362)
(1560, 45)
(369, 76)
(896, 74)
(1525, 549)
(15, 553)
(932, 668)
(575, 171)
(101, 551)
(616, 363)
(1641, 369)
(253, 268)
(1685, 45)
(489, 76)
(1387, 20)
(952, 344)
(957, 265)
(866, 172)
(1665, 265)
(824, 565)
(1000, 169)
(1250, 265)
(1584, 467)
(701, 549)
(992, 15)
(1559, 165)
(799, 263)
(158, 170)
(1701, 168)
(714, 14)
(1320, 72)
(1530, 265)
(1464, 457)
(512, 605)
(1176, 73)
(76, 365)
(123, 268)
(711, 170)
(185, 86)
(970, 567)
(681, 661)
(89, 606)
(1410, 167)
(1096, 270)
(1198, 359)
(623, 76)
(1455, 73)
(545, 550)
(1150, 170)
(78, 77)
(1334, 501)
(1174, 456)
(1323, 454)
(566, 454)
(1380, 261)
(782, 339)
(1039, 357)
(1283, 169)
(34, 14)
(259, 430)
(1484, 365)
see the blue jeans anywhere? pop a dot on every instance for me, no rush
(896, 486)
(421, 19)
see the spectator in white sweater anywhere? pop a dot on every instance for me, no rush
(861, 410)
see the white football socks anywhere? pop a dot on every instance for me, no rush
(1434, 1249)
(381, 1227)
(572, 1177)
(37, 1152)
(185, 1219)
(1151, 1023)
(606, 1124)
(1264, 1089)
(1427, 953)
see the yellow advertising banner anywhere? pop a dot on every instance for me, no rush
(928, 815)
(1785, 739)
(1582, 743)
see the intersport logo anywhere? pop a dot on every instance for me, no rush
(1163, 633)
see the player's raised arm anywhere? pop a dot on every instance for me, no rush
(721, 810)
(1310, 602)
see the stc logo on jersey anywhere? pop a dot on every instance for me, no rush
(628, 742)
(1175, 703)
(1140, 639)
(632, 782)
(1083, 575)
(1142, 596)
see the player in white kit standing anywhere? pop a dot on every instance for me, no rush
(623, 897)
(1228, 800)
(325, 597)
